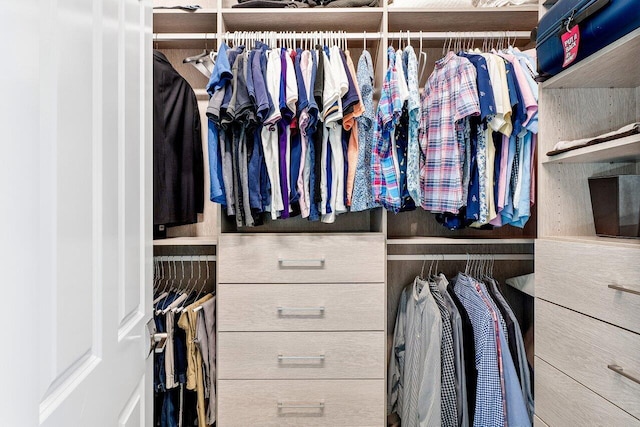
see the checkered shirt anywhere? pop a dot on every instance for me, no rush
(450, 95)
(384, 180)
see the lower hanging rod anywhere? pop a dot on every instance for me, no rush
(461, 257)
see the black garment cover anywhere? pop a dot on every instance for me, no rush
(178, 165)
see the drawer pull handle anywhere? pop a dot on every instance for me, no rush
(618, 370)
(282, 358)
(623, 289)
(301, 263)
(300, 310)
(282, 405)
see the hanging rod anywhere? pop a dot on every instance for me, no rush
(461, 257)
(308, 35)
(184, 258)
(445, 35)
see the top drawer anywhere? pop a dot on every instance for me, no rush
(578, 275)
(340, 258)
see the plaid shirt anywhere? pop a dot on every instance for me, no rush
(384, 179)
(490, 403)
(450, 95)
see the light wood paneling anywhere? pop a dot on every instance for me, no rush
(583, 347)
(612, 66)
(576, 276)
(561, 401)
(182, 21)
(345, 403)
(307, 258)
(256, 355)
(463, 19)
(301, 307)
(537, 422)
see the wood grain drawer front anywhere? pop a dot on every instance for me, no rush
(561, 402)
(583, 348)
(301, 259)
(537, 422)
(300, 355)
(301, 307)
(578, 275)
(301, 403)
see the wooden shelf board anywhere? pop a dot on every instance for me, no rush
(187, 241)
(184, 41)
(522, 18)
(608, 241)
(613, 66)
(325, 19)
(181, 21)
(455, 241)
(620, 150)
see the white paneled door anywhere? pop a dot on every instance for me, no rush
(76, 186)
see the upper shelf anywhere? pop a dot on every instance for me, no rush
(181, 21)
(187, 241)
(516, 18)
(625, 149)
(317, 19)
(613, 66)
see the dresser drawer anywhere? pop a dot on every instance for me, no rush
(301, 403)
(301, 259)
(561, 401)
(577, 276)
(300, 355)
(583, 348)
(301, 307)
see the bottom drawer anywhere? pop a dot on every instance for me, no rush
(299, 403)
(561, 401)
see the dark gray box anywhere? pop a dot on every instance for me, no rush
(615, 201)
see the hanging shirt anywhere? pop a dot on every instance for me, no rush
(414, 155)
(385, 185)
(349, 123)
(450, 95)
(362, 197)
(415, 369)
(490, 407)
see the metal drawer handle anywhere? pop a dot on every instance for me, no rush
(301, 263)
(300, 309)
(618, 370)
(623, 289)
(282, 405)
(281, 357)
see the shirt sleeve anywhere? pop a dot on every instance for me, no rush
(466, 94)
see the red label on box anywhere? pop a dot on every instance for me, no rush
(570, 43)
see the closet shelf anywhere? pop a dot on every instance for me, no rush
(184, 40)
(317, 19)
(517, 18)
(187, 241)
(180, 21)
(455, 241)
(607, 241)
(613, 66)
(625, 149)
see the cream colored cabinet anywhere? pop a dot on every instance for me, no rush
(301, 336)
(587, 312)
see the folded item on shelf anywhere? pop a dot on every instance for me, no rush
(350, 3)
(269, 4)
(564, 146)
(189, 8)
